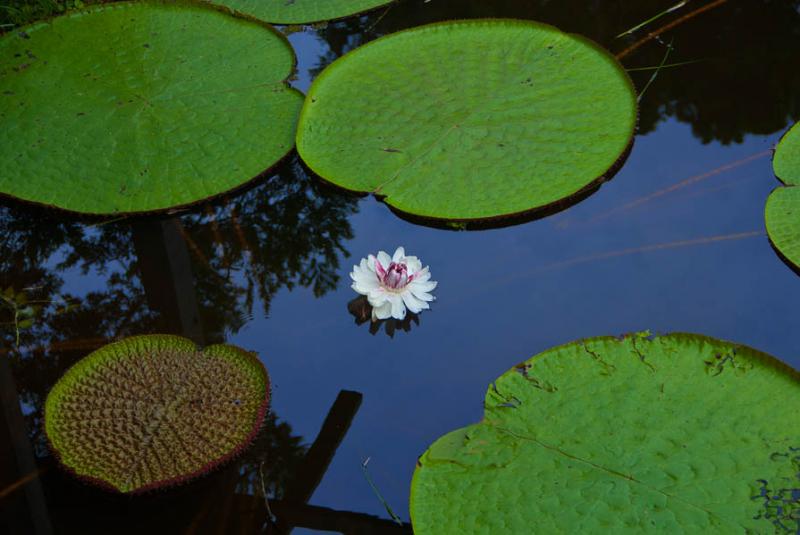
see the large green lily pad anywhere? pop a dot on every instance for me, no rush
(301, 11)
(783, 205)
(469, 120)
(670, 434)
(142, 106)
(151, 411)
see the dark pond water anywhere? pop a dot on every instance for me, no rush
(675, 242)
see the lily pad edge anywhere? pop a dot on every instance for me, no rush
(755, 353)
(249, 183)
(247, 16)
(795, 267)
(501, 220)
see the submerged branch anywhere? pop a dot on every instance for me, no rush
(682, 184)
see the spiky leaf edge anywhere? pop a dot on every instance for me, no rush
(204, 470)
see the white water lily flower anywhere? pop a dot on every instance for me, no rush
(393, 284)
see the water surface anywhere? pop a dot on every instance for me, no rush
(675, 242)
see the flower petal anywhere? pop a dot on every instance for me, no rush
(398, 307)
(359, 289)
(420, 294)
(358, 268)
(382, 312)
(366, 282)
(377, 297)
(422, 286)
(422, 275)
(356, 273)
(414, 305)
(363, 275)
(384, 259)
(399, 254)
(364, 271)
(413, 264)
(370, 278)
(424, 297)
(365, 265)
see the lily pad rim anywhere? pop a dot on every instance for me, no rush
(513, 219)
(202, 4)
(119, 4)
(791, 265)
(761, 356)
(775, 152)
(186, 478)
(500, 220)
(79, 216)
(784, 184)
(305, 23)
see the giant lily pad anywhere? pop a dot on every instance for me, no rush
(151, 411)
(783, 206)
(672, 434)
(470, 120)
(141, 106)
(301, 11)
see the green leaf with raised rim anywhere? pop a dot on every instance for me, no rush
(787, 157)
(301, 11)
(152, 411)
(782, 213)
(134, 107)
(672, 434)
(470, 120)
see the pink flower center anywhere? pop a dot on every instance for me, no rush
(394, 278)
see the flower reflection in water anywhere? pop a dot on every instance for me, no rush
(362, 312)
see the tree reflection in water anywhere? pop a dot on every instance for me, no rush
(196, 273)
(745, 53)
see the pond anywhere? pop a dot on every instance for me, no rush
(674, 242)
